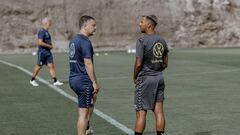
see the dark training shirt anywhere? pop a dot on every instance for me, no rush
(46, 38)
(80, 47)
(151, 49)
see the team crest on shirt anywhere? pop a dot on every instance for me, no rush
(71, 50)
(47, 35)
(158, 50)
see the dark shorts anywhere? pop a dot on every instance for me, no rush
(44, 58)
(149, 90)
(84, 90)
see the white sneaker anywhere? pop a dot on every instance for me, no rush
(57, 83)
(89, 131)
(34, 83)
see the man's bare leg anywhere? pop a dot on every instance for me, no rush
(36, 71)
(140, 121)
(91, 111)
(159, 117)
(51, 69)
(82, 120)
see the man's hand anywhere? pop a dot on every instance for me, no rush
(134, 80)
(91, 73)
(137, 69)
(50, 47)
(95, 88)
(41, 43)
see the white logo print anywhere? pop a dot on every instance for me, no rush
(47, 35)
(71, 50)
(158, 50)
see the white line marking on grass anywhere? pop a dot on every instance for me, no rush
(96, 111)
(183, 74)
(101, 78)
(110, 78)
(207, 72)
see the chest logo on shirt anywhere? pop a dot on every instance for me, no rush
(158, 50)
(47, 35)
(71, 50)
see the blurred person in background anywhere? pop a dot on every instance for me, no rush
(45, 56)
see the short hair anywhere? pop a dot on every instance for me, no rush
(45, 20)
(153, 19)
(84, 19)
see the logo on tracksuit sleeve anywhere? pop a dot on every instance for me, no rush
(72, 50)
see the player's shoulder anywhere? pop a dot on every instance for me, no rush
(85, 41)
(79, 39)
(160, 38)
(150, 37)
(42, 30)
(141, 39)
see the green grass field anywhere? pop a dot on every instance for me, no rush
(202, 95)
